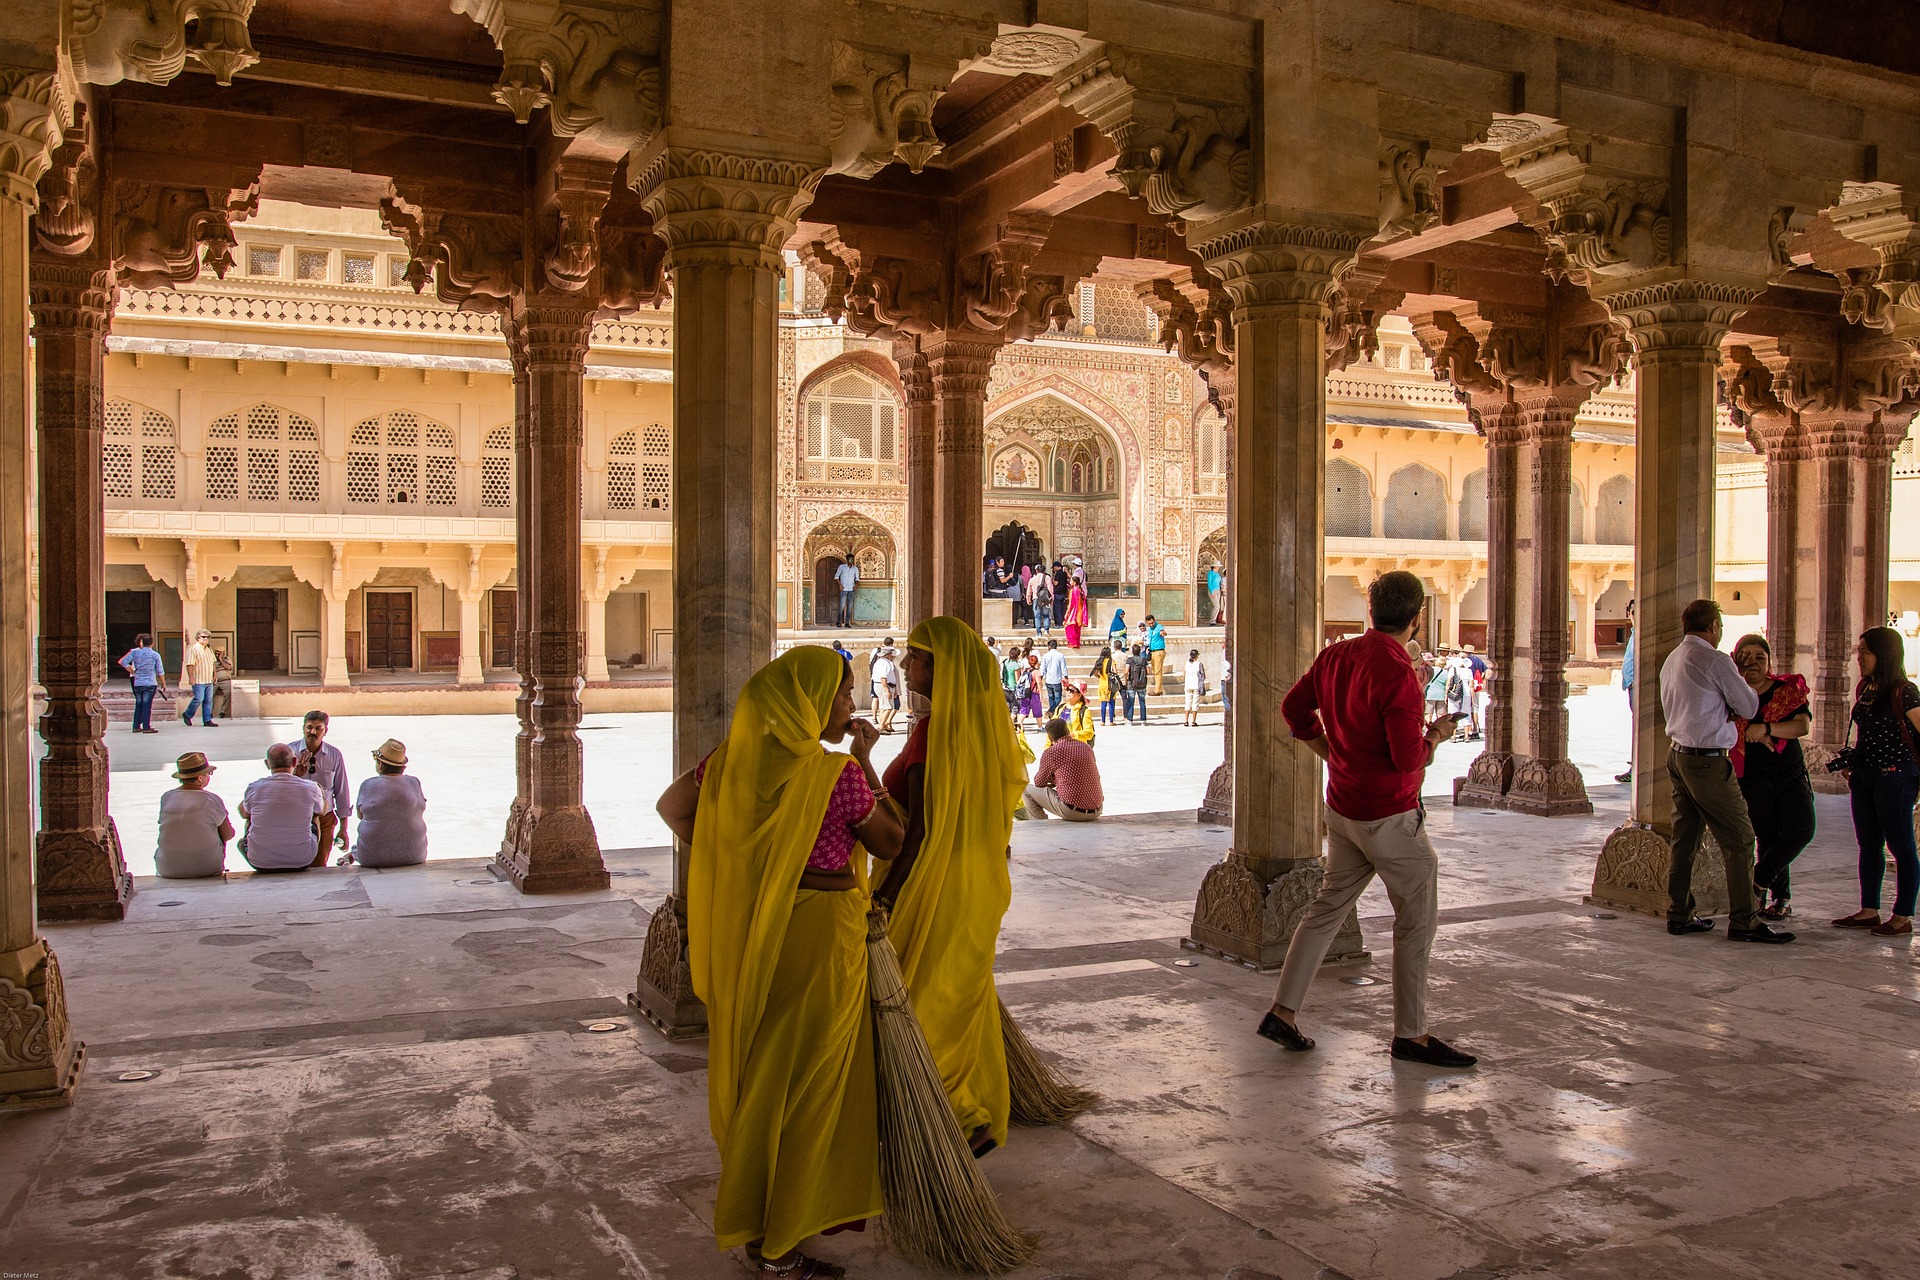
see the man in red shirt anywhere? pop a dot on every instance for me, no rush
(1066, 781)
(1359, 709)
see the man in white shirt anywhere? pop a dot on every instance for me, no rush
(281, 812)
(848, 576)
(198, 667)
(194, 828)
(321, 763)
(881, 672)
(1053, 673)
(1701, 691)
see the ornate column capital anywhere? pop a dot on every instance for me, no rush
(717, 205)
(36, 107)
(1280, 258)
(1679, 317)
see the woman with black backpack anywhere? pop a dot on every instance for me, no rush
(1882, 768)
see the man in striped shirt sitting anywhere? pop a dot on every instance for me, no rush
(1066, 781)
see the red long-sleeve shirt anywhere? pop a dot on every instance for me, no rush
(1364, 697)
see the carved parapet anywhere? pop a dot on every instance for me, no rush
(663, 990)
(721, 205)
(1632, 873)
(40, 1061)
(1240, 917)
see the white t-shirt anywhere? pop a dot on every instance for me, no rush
(882, 669)
(280, 813)
(848, 576)
(1196, 673)
(189, 844)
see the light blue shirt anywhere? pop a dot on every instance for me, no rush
(1627, 663)
(145, 664)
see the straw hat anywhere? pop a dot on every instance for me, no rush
(392, 752)
(191, 765)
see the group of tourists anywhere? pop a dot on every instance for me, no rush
(200, 666)
(1456, 687)
(1738, 770)
(296, 814)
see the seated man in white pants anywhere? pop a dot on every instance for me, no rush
(1066, 781)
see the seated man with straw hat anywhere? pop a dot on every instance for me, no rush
(194, 827)
(393, 812)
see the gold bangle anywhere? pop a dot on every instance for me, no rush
(879, 793)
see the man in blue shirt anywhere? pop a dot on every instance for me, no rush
(1053, 674)
(848, 576)
(1156, 652)
(1214, 603)
(1627, 667)
(149, 679)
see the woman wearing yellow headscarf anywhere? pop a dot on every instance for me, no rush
(959, 777)
(776, 936)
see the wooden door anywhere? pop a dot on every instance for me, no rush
(826, 591)
(256, 628)
(129, 614)
(500, 629)
(389, 634)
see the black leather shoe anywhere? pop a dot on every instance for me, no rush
(1759, 933)
(1284, 1033)
(1435, 1052)
(1699, 924)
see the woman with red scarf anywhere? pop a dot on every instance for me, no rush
(1773, 772)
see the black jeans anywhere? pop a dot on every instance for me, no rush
(1883, 820)
(1782, 815)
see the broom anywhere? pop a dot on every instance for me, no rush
(939, 1209)
(1040, 1095)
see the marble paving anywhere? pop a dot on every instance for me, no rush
(390, 1075)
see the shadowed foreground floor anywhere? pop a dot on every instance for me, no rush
(389, 1074)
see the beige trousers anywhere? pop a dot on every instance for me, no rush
(1398, 851)
(1041, 801)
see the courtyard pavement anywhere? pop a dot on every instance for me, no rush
(391, 1076)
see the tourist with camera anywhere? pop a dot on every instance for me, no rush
(1881, 762)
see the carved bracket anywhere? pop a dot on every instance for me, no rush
(146, 40)
(596, 69)
(1183, 158)
(1595, 221)
(162, 235)
(474, 261)
(882, 109)
(68, 218)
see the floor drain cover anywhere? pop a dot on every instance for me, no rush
(603, 1026)
(133, 1077)
(173, 902)
(1215, 831)
(1186, 964)
(1605, 915)
(1358, 982)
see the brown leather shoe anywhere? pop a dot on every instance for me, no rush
(1888, 929)
(1858, 922)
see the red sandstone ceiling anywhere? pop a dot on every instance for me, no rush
(380, 30)
(1880, 33)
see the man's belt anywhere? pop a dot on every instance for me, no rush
(1699, 751)
(1076, 808)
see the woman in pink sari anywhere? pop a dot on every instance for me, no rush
(1076, 615)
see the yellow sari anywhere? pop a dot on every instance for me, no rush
(783, 971)
(947, 918)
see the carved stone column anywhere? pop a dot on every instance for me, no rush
(725, 218)
(916, 380)
(82, 875)
(1217, 805)
(1278, 278)
(40, 1061)
(958, 364)
(554, 846)
(1675, 327)
(1491, 772)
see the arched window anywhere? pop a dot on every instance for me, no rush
(1613, 524)
(639, 470)
(1576, 514)
(496, 469)
(1210, 445)
(1349, 501)
(1473, 507)
(401, 459)
(139, 456)
(852, 419)
(1416, 504)
(263, 454)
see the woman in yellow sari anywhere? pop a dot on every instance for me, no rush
(776, 936)
(959, 777)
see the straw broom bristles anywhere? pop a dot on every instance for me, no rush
(939, 1209)
(1040, 1094)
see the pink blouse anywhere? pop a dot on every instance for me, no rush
(850, 805)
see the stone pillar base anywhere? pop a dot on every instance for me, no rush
(1632, 873)
(552, 853)
(1217, 808)
(1547, 788)
(40, 1062)
(1816, 755)
(1240, 917)
(81, 875)
(1486, 783)
(663, 991)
